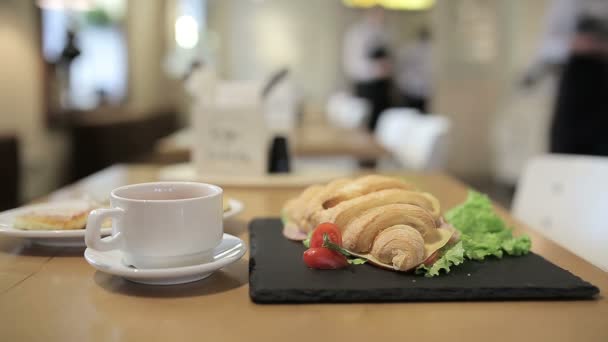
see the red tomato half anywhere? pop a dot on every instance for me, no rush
(324, 259)
(335, 236)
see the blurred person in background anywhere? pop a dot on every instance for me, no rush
(576, 44)
(69, 53)
(415, 72)
(367, 62)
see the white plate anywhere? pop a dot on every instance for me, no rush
(236, 207)
(230, 250)
(67, 238)
(64, 238)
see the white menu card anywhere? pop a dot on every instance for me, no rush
(230, 135)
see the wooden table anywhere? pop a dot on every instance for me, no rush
(323, 140)
(311, 140)
(52, 294)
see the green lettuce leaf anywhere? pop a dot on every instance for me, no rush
(475, 216)
(450, 256)
(357, 261)
(284, 218)
(483, 232)
(306, 242)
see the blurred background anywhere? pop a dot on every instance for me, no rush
(85, 84)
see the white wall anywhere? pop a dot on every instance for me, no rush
(149, 87)
(255, 38)
(477, 94)
(469, 79)
(481, 49)
(523, 116)
(42, 152)
(258, 37)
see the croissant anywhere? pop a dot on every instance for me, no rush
(359, 234)
(344, 212)
(314, 204)
(292, 206)
(306, 209)
(383, 219)
(362, 186)
(400, 245)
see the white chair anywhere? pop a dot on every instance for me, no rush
(346, 111)
(417, 142)
(565, 198)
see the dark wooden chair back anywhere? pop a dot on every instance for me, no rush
(9, 172)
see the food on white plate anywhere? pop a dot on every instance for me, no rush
(69, 215)
(386, 222)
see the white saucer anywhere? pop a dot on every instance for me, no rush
(61, 238)
(230, 250)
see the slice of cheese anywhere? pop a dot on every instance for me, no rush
(436, 240)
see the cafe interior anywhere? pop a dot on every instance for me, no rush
(449, 157)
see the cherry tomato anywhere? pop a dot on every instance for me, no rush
(431, 259)
(335, 236)
(324, 259)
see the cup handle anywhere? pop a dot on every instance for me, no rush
(92, 234)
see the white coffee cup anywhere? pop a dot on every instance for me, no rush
(163, 224)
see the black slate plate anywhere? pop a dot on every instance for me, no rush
(277, 274)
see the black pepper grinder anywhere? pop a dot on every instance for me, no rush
(278, 158)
